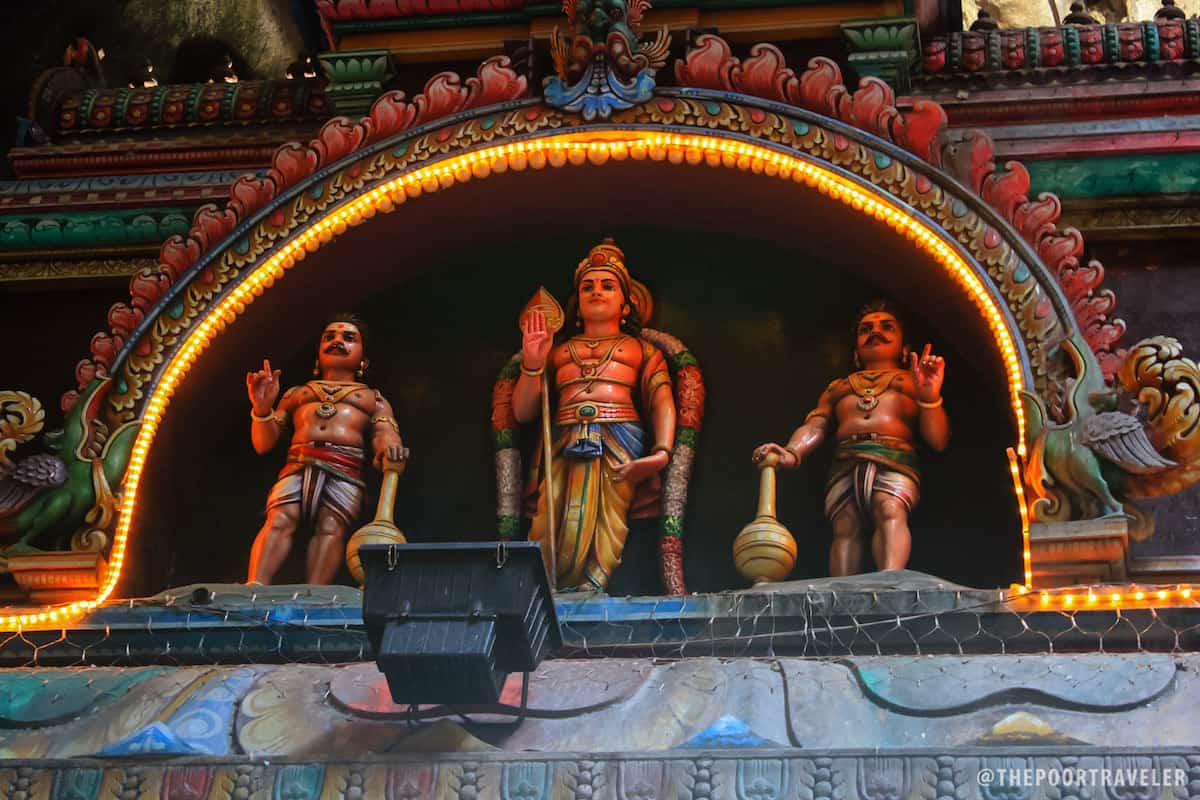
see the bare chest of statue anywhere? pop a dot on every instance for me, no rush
(338, 413)
(603, 370)
(881, 402)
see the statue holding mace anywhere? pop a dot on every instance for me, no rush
(608, 417)
(321, 485)
(875, 415)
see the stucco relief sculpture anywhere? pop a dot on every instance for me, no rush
(875, 416)
(321, 486)
(619, 406)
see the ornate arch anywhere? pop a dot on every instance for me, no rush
(1002, 251)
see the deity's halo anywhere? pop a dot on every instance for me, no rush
(641, 298)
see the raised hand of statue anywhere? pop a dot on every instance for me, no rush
(928, 372)
(785, 457)
(263, 388)
(536, 340)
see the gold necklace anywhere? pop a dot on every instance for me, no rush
(868, 395)
(332, 395)
(592, 367)
(594, 343)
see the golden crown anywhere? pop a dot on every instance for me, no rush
(608, 257)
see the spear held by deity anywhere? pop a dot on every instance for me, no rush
(544, 302)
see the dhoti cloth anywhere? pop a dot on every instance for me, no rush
(319, 475)
(866, 464)
(591, 506)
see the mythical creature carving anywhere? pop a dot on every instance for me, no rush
(1167, 385)
(1101, 458)
(603, 67)
(68, 489)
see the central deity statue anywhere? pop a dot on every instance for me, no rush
(875, 415)
(613, 419)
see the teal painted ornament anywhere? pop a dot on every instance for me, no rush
(77, 784)
(90, 228)
(48, 233)
(26, 699)
(300, 782)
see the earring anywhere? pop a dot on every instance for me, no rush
(317, 367)
(362, 368)
(578, 322)
(857, 361)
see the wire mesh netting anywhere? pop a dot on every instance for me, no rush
(239, 624)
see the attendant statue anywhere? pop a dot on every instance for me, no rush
(321, 485)
(613, 416)
(874, 415)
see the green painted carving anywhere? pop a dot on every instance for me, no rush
(299, 782)
(1065, 474)
(356, 78)
(1099, 459)
(875, 35)
(883, 48)
(77, 783)
(1072, 178)
(68, 489)
(92, 228)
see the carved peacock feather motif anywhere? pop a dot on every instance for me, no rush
(1168, 387)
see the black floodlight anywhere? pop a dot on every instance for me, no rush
(449, 621)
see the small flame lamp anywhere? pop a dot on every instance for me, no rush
(450, 621)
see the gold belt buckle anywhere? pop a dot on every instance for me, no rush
(586, 412)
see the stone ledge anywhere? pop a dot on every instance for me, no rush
(698, 776)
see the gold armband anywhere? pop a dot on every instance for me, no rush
(266, 417)
(663, 448)
(388, 420)
(937, 404)
(533, 373)
(656, 380)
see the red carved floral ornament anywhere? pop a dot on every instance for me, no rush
(709, 65)
(445, 93)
